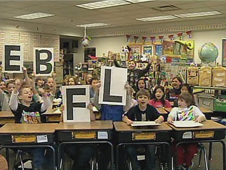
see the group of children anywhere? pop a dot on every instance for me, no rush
(28, 99)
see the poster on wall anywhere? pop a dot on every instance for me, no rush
(136, 51)
(112, 90)
(13, 58)
(43, 61)
(158, 50)
(147, 49)
(224, 52)
(75, 100)
(168, 47)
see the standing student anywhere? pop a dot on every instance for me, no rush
(142, 112)
(159, 98)
(27, 111)
(173, 94)
(134, 74)
(185, 112)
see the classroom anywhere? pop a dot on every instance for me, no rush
(112, 85)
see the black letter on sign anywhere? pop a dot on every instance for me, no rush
(40, 62)
(70, 94)
(107, 82)
(8, 58)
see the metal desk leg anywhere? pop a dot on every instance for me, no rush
(210, 154)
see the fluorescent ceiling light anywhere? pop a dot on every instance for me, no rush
(198, 14)
(138, 1)
(93, 25)
(157, 18)
(34, 15)
(103, 4)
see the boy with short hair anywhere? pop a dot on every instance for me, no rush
(28, 112)
(142, 112)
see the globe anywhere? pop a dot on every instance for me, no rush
(208, 52)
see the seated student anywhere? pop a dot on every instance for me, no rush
(5, 95)
(81, 153)
(94, 81)
(2, 85)
(110, 112)
(28, 112)
(188, 88)
(159, 98)
(142, 112)
(185, 112)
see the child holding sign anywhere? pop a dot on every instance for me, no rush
(28, 112)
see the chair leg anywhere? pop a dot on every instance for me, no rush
(200, 156)
(21, 160)
(205, 159)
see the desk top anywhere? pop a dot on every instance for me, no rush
(12, 128)
(161, 111)
(6, 114)
(207, 125)
(122, 126)
(203, 109)
(51, 112)
(94, 125)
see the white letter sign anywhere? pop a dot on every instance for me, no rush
(43, 61)
(112, 90)
(13, 56)
(75, 100)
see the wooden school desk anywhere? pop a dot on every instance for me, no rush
(95, 132)
(152, 135)
(208, 133)
(16, 135)
(6, 117)
(52, 117)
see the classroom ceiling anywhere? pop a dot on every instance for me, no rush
(120, 18)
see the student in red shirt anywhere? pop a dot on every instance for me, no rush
(159, 98)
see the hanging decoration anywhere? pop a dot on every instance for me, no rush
(189, 33)
(135, 38)
(144, 39)
(179, 34)
(161, 37)
(86, 39)
(171, 37)
(128, 37)
(152, 39)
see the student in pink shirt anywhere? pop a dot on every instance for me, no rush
(159, 98)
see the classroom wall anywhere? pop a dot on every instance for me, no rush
(114, 44)
(29, 41)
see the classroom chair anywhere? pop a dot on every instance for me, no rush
(159, 158)
(202, 149)
(3, 163)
